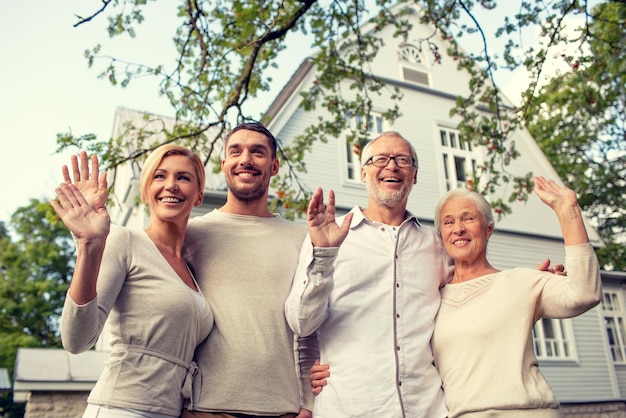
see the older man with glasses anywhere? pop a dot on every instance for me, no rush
(372, 296)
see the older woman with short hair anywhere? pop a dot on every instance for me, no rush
(482, 343)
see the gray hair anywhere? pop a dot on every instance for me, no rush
(386, 134)
(476, 198)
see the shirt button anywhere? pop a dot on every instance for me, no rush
(397, 315)
(400, 383)
(397, 348)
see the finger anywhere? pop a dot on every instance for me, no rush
(62, 204)
(71, 195)
(78, 196)
(318, 383)
(57, 208)
(314, 204)
(347, 220)
(66, 173)
(319, 198)
(543, 266)
(102, 184)
(75, 170)
(61, 193)
(331, 202)
(84, 166)
(95, 167)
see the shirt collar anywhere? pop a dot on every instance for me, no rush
(359, 218)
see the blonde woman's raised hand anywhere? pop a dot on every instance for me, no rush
(92, 185)
(90, 223)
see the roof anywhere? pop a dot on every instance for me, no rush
(287, 91)
(5, 382)
(618, 277)
(45, 369)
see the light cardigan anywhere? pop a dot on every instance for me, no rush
(483, 343)
(155, 324)
(245, 266)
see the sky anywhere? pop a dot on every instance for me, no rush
(46, 87)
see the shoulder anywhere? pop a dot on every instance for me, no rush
(118, 234)
(127, 239)
(199, 224)
(293, 228)
(523, 276)
(207, 217)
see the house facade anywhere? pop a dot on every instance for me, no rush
(583, 359)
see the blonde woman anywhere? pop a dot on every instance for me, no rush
(139, 282)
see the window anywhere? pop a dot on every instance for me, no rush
(410, 54)
(614, 322)
(374, 125)
(459, 159)
(412, 65)
(552, 339)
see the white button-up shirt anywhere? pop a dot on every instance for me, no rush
(373, 302)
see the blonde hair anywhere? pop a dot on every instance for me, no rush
(155, 158)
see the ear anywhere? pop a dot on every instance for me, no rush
(198, 201)
(489, 231)
(275, 167)
(223, 162)
(363, 175)
(415, 177)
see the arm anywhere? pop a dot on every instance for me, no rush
(307, 304)
(580, 290)
(90, 227)
(308, 352)
(94, 287)
(306, 307)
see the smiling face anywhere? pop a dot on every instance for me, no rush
(173, 189)
(248, 165)
(464, 231)
(388, 186)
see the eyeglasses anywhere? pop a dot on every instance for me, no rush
(402, 161)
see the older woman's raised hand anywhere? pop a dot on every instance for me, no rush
(552, 194)
(564, 203)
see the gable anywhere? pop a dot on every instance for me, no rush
(425, 109)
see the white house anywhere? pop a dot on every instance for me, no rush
(584, 359)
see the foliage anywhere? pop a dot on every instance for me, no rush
(579, 121)
(35, 269)
(225, 49)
